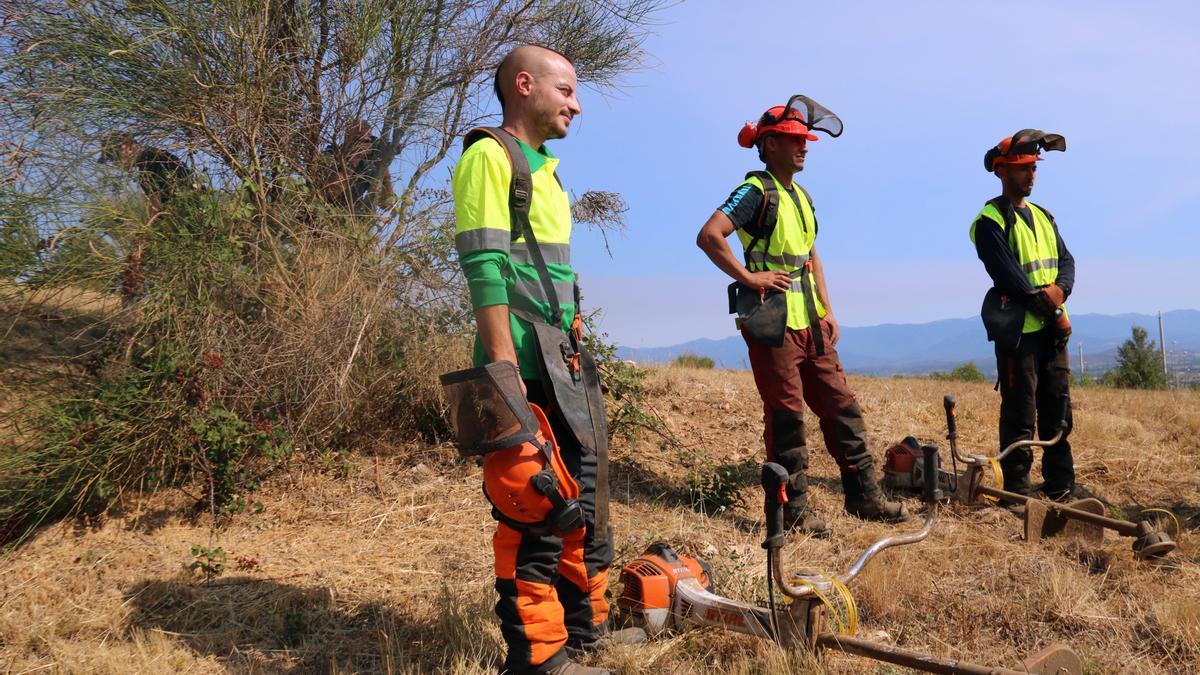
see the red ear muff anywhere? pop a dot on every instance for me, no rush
(747, 135)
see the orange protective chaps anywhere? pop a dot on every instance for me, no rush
(552, 588)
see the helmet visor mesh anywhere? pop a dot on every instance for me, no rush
(814, 115)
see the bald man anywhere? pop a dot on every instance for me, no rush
(551, 583)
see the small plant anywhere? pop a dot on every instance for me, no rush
(624, 384)
(207, 561)
(693, 361)
(717, 488)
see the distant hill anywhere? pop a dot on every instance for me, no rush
(891, 349)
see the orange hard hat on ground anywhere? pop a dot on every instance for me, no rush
(508, 476)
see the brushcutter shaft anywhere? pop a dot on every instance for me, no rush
(1123, 527)
(903, 657)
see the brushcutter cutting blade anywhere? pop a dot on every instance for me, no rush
(1054, 660)
(1153, 546)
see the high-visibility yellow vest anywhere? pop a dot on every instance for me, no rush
(788, 249)
(1037, 255)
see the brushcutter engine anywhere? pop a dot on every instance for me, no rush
(666, 590)
(904, 468)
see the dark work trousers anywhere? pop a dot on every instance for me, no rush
(792, 375)
(552, 588)
(1032, 379)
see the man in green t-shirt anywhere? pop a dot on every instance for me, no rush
(551, 587)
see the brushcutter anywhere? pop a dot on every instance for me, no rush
(1082, 518)
(665, 590)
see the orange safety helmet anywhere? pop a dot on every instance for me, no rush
(1029, 146)
(770, 122)
(529, 484)
(800, 117)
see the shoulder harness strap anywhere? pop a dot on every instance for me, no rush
(768, 212)
(1006, 210)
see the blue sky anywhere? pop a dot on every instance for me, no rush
(924, 89)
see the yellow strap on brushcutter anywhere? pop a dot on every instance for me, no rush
(997, 476)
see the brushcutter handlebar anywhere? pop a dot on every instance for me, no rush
(948, 402)
(1062, 429)
(774, 484)
(931, 493)
(863, 559)
(1064, 406)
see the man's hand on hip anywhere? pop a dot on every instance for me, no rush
(770, 280)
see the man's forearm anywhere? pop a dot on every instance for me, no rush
(496, 333)
(818, 271)
(712, 241)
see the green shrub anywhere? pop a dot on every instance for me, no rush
(693, 361)
(967, 372)
(1139, 364)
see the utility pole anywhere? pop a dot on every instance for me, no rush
(1162, 345)
(1081, 370)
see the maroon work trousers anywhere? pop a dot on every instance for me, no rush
(792, 375)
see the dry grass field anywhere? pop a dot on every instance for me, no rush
(381, 562)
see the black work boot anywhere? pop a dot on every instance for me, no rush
(1059, 494)
(559, 664)
(864, 498)
(1018, 483)
(609, 638)
(799, 516)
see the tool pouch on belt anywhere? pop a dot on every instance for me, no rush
(763, 315)
(1003, 319)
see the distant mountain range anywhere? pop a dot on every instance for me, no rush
(891, 349)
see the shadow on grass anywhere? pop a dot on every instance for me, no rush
(254, 624)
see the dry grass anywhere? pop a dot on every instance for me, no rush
(387, 569)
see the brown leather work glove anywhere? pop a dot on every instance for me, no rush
(1047, 300)
(1056, 295)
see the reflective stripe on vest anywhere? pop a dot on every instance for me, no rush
(1036, 248)
(788, 249)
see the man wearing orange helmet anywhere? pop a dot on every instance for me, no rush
(785, 316)
(1032, 275)
(552, 545)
